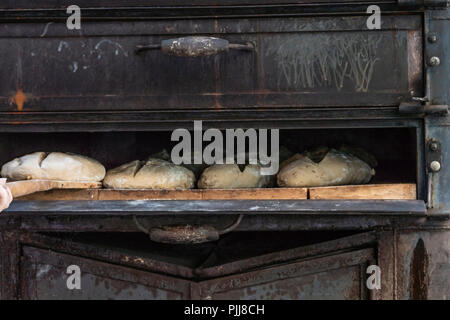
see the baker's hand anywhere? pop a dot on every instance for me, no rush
(5, 195)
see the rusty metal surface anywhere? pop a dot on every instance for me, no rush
(355, 241)
(67, 223)
(43, 271)
(100, 281)
(199, 269)
(295, 59)
(154, 9)
(310, 279)
(35, 4)
(437, 129)
(333, 269)
(428, 278)
(224, 207)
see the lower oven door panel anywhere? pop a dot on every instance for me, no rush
(295, 62)
(315, 274)
(45, 277)
(336, 277)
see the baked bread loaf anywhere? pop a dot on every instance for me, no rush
(335, 168)
(54, 166)
(229, 176)
(197, 169)
(150, 174)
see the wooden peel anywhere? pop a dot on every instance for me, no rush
(22, 188)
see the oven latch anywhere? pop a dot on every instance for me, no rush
(418, 108)
(433, 155)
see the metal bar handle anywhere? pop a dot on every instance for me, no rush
(195, 46)
(186, 234)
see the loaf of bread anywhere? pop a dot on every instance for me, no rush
(150, 174)
(197, 169)
(230, 176)
(54, 166)
(335, 168)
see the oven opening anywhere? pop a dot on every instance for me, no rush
(391, 153)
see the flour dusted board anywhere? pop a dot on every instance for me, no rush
(405, 191)
(372, 192)
(295, 61)
(188, 194)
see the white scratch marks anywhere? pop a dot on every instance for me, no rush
(61, 45)
(43, 270)
(45, 29)
(118, 48)
(74, 66)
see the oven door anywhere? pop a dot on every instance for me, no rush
(254, 62)
(71, 267)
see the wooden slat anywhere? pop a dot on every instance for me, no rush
(26, 187)
(110, 194)
(194, 194)
(356, 192)
(62, 194)
(398, 191)
(211, 194)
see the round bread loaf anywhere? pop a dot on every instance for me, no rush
(54, 166)
(150, 174)
(229, 176)
(336, 168)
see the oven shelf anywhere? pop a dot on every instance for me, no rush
(396, 191)
(226, 207)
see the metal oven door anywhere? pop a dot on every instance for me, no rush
(258, 62)
(325, 266)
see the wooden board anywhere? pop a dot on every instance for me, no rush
(62, 194)
(397, 191)
(26, 187)
(401, 191)
(190, 194)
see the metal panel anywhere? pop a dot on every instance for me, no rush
(438, 128)
(374, 117)
(36, 4)
(295, 61)
(274, 222)
(227, 207)
(423, 263)
(44, 276)
(334, 277)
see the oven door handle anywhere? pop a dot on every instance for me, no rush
(195, 46)
(186, 234)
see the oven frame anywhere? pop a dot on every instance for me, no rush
(401, 225)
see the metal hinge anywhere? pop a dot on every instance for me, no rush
(424, 3)
(418, 108)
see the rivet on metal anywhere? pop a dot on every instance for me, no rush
(434, 61)
(433, 146)
(435, 166)
(432, 38)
